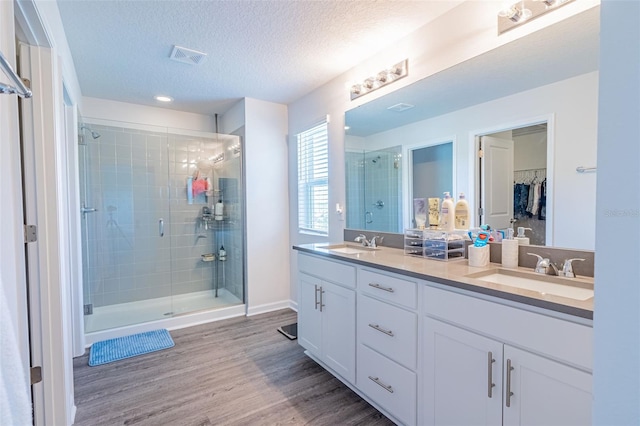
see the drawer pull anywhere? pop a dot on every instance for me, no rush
(381, 287)
(377, 381)
(315, 293)
(382, 330)
(490, 384)
(508, 393)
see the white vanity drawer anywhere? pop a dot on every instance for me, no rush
(396, 290)
(328, 270)
(390, 385)
(390, 330)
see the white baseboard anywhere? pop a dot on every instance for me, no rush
(270, 307)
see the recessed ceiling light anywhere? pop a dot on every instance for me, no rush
(163, 98)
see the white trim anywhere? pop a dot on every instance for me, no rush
(75, 234)
(293, 305)
(269, 307)
(407, 178)
(43, 186)
(549, 119)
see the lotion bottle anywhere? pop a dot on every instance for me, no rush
(447, 213)
(462, 213)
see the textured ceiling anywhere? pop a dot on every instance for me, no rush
(566, 49)
(273, 50)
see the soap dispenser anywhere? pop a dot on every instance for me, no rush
(509, 250)
(522, 239)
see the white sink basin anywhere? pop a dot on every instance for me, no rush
(348, 249)
(543, 284)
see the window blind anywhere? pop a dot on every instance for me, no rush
(313, 180)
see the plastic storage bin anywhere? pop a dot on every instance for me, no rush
(434, 244)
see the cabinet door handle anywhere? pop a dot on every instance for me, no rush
(509, 394)
(381, 330)
(321, 297)
(381, 287)
(378, 382)
(315, 295)
(490, 384)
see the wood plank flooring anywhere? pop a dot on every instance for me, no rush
(239, 371)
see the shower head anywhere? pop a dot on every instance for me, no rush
(94, 134)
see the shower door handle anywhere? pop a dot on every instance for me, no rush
(161, 227)
(84, 209)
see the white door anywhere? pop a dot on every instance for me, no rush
(339, 329)
(546, 392)
(309, 315)
(497, 182)
(463, 377)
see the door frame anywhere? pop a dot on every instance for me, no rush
(407, 178)
(474, 169)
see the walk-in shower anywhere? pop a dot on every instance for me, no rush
(151, 244)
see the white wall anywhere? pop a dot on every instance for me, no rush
(103, 109)
(617, 292)
(574, 106)
(530, 151)
(267, 201)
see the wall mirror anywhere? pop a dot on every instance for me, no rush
(540, 92)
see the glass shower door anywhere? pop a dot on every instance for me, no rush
(126, 254)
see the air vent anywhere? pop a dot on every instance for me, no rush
(400, 107)
(187, 56)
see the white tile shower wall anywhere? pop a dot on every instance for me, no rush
(354, 193)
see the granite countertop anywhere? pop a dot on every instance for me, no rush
(456, 273)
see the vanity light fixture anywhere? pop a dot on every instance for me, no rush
(161, 98)
(381, 79)
(525, 10)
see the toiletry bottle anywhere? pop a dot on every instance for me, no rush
(509, 250)
(218, 210)
(522, 239)
(447, 213)
(462, 213)
(222, 254)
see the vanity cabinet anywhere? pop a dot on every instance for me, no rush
(486, 363)
(471, 379)
(387, 330)
(426, 353)
(327, 313)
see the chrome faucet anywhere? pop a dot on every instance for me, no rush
(544, 265)
(567, 268)
(362, 239)
(375, 240)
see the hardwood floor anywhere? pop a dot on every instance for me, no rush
(239, 371)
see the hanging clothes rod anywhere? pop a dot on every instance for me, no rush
(582, 169)
(21, 90)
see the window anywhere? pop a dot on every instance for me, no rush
(313, 180)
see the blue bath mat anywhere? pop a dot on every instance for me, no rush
(119, 348)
